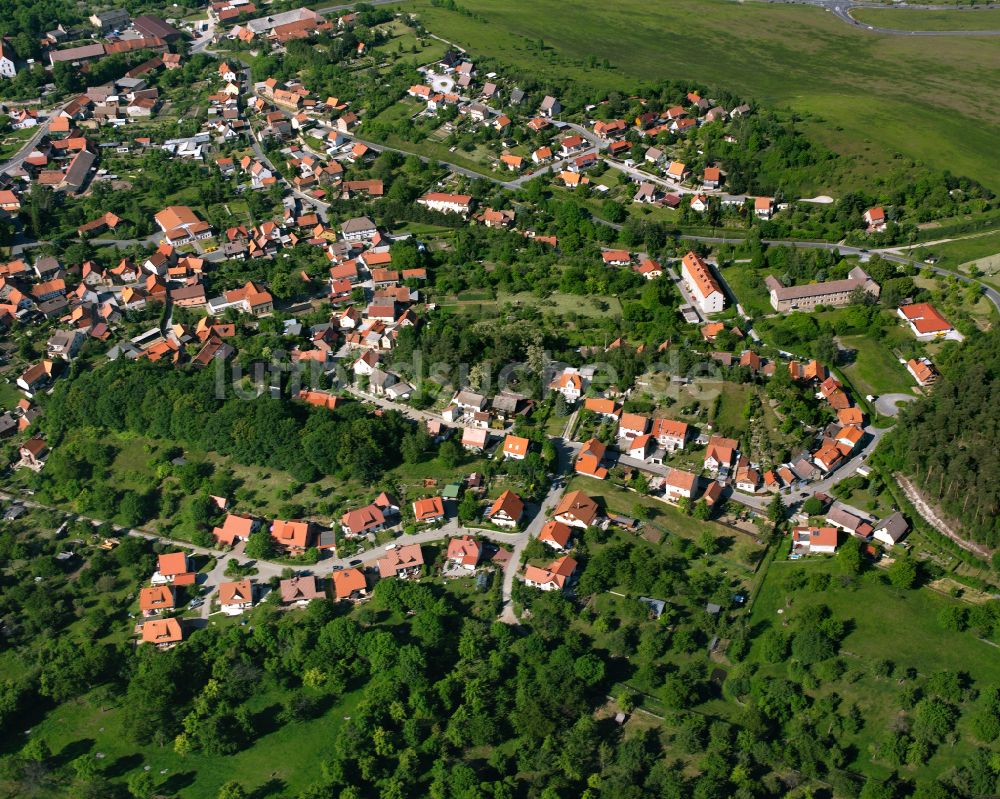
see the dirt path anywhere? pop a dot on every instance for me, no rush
(930, 515)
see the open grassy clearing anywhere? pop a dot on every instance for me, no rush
(885, 623)
(875, 95)
(281, 756)
(754, 298)
(909, 19)
(875, 370)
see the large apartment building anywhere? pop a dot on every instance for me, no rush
(700, 281)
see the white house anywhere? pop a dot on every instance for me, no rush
(670, 434)
(447, 203)
(507, 510)
(890, 530)
(701, 283)
(679, 485)
(569, 384)
(8, 60)
(235, 597)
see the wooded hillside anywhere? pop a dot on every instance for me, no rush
(948, 441)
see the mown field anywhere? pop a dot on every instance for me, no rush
(908, 19)
(866, 95)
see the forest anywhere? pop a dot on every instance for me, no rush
(946, 441)
(184, 407)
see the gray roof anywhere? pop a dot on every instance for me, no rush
(516, 96)
(357, 225)
(894, 526)
(78, 170)
(843, 518)
(858, 279)
(506, 402)
(470, 399)
(77, 53)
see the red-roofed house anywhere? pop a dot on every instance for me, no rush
(507, 510)
(556, 535)
(927, 324)
(350, 585)
(293, 536)
(555, 577)
(402, 562)
(588, 460)
(428, 510)
(235, 528)
(464, 553)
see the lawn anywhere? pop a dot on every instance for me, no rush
(884, 623)
(9, 394)
(875, 95)
(434, 151)
(908, 19)
(754, 298)
(875, 369)
(283, 759)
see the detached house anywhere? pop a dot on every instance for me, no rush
(173, 568)
(569, 384)
(807, 540)
(679, 485)
(507, 510)
(555, 577)
(515, 447)
(293, 536)
(428, 510)
(588, 459)
(350, 585)
(670, 434)
(162, 633)
(875, 220)
(556, 534)
(235, 597)
(576, 509)
(300, 590)
(156, 599)
(464, 553)
(236, 528)
(721, 453)
(402, 562)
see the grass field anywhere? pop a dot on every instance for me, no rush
(754, 299)
(283, 759)
(981, 19)
(866, 95)
(885, 623)
(875, 369)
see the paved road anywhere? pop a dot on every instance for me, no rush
(887, 404)
(824, 486)
(17, 159)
